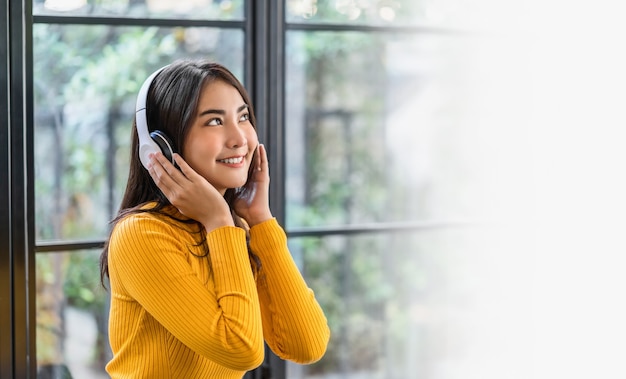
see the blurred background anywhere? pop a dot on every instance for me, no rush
(450, 173)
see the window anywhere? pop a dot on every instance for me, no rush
(375, 189)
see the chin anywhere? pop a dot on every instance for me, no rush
(236, 184)
(227, 182)
(241, 184)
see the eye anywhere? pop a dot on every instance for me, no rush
(214, 121)
(244, 117)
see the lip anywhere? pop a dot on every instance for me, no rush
(239, 164)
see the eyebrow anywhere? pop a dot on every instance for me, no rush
(221, 111)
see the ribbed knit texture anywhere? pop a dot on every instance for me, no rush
(170, 318)
(294, 325)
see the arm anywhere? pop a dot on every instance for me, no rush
(221, 322)
(294, 325)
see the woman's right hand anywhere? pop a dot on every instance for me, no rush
(189, 192)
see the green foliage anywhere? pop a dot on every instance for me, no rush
(120, 67)
(82, 282)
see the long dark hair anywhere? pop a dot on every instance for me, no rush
(170, 107)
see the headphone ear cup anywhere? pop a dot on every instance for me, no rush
(165, 144)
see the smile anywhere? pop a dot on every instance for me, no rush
(231, 160)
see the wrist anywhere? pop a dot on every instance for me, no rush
(217, 222)
(259, 218)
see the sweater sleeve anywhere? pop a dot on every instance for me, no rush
(294, 325)
(223, 323)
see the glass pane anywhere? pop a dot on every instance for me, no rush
(397, 304)
(72, 316)
(180, 9)
(86, 79)
(374, 129)
(376, 12)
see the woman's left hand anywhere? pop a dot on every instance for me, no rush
(252, 202)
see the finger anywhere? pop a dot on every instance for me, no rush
(175, 174)
(256, 158)
(169, 177)
(262, 157)
(160, 176)
(187, 171)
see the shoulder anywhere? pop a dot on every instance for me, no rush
(148, 218)
(140, 223)
(149, 231)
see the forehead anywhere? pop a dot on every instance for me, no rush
(218, 93)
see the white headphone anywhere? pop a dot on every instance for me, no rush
(150, 142)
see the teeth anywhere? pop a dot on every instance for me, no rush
(232, 160)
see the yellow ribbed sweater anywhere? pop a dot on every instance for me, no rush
(170, 318)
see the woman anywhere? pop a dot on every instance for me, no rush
(199, 270)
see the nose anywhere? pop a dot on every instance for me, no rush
(236, 136)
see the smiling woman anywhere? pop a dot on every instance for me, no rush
(225, 280)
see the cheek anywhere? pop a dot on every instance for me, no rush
(198, 153)
(252, 137)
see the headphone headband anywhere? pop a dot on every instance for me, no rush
(146, 143)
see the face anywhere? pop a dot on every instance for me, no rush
(221, 140)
